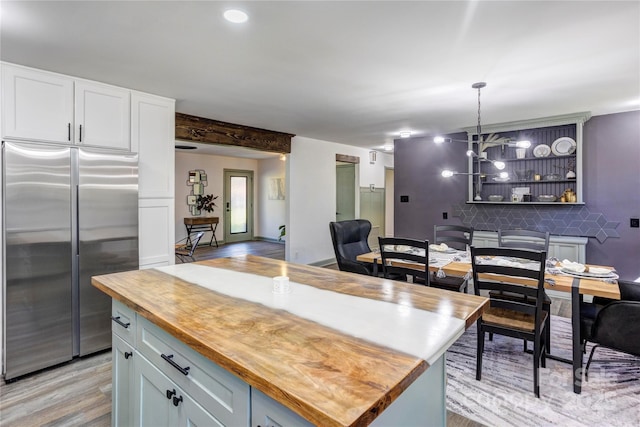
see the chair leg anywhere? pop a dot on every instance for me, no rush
(547, 334)
(480, 350)
(536, 366)
(586, 369)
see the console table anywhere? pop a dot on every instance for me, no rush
(202, 224)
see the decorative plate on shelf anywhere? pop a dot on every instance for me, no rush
(542, 150)
(563, 146)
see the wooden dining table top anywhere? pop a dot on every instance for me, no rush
(561, 282)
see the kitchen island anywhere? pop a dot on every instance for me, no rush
(212, 339)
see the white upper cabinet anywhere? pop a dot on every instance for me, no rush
(102, 116)
(48, 107)
(153, 137)
(36, 105)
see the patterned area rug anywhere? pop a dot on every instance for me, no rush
(504, 396)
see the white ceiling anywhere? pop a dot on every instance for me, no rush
(350, 72)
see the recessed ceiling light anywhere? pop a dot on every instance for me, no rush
(388, 147)
(405, 134)
(236, 16)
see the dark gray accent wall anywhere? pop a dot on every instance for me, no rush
(611, 147)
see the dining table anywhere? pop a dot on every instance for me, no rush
(458, 263)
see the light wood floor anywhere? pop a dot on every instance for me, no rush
(79, 392)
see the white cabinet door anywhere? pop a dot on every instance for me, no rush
(194, 415)
(36, 105)
(122, 396)
(153, 137)
(102, 116)
(156, 231)
(154, 393)
(266, 412)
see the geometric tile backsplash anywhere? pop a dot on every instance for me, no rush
(559, 220)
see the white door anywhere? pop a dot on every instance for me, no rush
(102, 116)
(345, 191)
(36, 105)
(238, 205)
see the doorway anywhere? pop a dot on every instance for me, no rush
(345, 191)
(238, 205)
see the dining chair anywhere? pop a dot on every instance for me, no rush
(349, 240)
(404, 258)
(185, 252)
(457, 237)
(524, 239)
(528, 239)
(522, 317)
(615, 325)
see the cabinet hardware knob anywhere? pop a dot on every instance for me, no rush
(170, 393)
(177, 400)
(127, 354)
(169, 358)
(120, 322)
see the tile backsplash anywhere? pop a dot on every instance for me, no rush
(560, 220)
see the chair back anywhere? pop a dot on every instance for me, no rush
(456, 236)
(350, 240)
(404, 257)
(184, 252)
(629, 291)
(195, 241)
(510, 272)
(524, 239)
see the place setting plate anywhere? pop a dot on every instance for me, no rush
(563, 146)
(542, 150)
(590, 275)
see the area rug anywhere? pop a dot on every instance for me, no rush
(504, 396)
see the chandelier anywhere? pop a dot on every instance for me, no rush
(483, 142)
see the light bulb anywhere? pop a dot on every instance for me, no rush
(523, 144)
(447, 173)
(236, 16)
(438, 139)
(499, 165)
(503, 175)
(471, 153)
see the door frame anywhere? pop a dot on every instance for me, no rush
(227, 173)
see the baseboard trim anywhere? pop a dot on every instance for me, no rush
(268, 239)
(324, 263)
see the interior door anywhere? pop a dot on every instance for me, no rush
(345, 191)
(238, 205)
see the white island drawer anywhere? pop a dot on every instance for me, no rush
(217, 390)
(123, 322)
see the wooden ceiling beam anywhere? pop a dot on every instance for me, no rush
(208, 131)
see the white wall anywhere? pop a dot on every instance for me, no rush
(311, 198)
(271, 213)
(214, 167)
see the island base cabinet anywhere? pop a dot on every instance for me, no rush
(160, 402)
(266, 412)
(422, 404)
(122, 356)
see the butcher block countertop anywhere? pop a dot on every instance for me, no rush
(338, 349)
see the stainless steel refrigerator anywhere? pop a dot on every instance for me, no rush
(69, 213)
